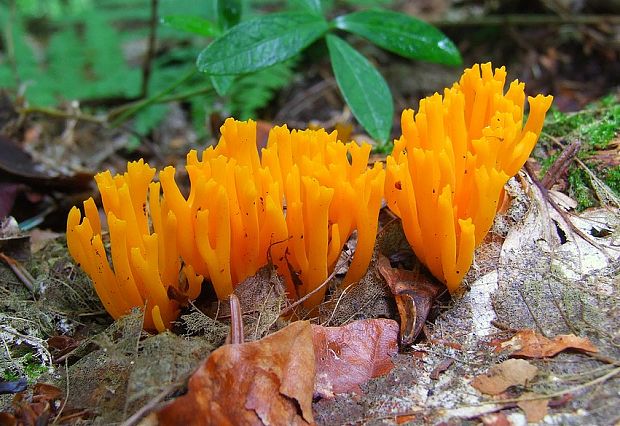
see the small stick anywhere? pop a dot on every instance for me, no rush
(236, 322)
(20, 271)
(309, 295)
(560, 165)
(559, 210)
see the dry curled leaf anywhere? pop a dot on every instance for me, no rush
(529, 344)
(501, 376)
(348, 356)
(269, 381)
(414, 293)
(33, 410)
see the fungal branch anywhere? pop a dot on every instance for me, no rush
(329, 193)
(298, 205)
(143, 248)
(447, 171)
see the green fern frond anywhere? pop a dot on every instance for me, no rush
(252, 92)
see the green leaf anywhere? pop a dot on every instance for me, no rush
(362, 87)
(191, 24)
(312, 6)
(222, 83)
(401, 34)
(260, 43)
(229, 13)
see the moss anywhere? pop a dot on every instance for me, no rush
(29, 366)
(612, 179)
(580, 190)
(596, 126)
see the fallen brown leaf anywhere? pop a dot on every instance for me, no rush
(414, 292)
(536, 409)
(61, 345)
(38, 409)
(501, 376)
(269, 381)
(443, 366)
(350, 355)
(495, 419)
(529, 344)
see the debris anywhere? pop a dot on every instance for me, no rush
(529, 344)
(268, 381)
(415, 293)
(501, 376)
(534, 406)
(348, 356)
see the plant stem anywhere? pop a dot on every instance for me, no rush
(150, 53)
(126, 110)
(56, 113)
(528, 20)
(186, 95)
(122, 113)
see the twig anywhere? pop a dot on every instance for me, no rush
(559, 210)
(292, 306)
(64, 402)
(20, 271)
(122, 113)
(147, 66)
(560, 165)
(152, 404)
(10, 43)
(557, 394)
(528, 20)
(236, 322)
(340, 297)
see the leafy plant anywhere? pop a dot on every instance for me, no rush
(73, 49)
(274, 38)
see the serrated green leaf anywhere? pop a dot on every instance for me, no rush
(260, 43)
(362, 87)
(222, 83)
(229, 13)
(191, 24)
(401, 34)
(312, 6)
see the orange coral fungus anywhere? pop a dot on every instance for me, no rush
(327, 197)
(447, 171)
(144, 255)
(233, 220)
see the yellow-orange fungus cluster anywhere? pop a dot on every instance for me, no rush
(447, 171)
(144, 253)
(329, 193)
(296, 204)
(232, 219)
